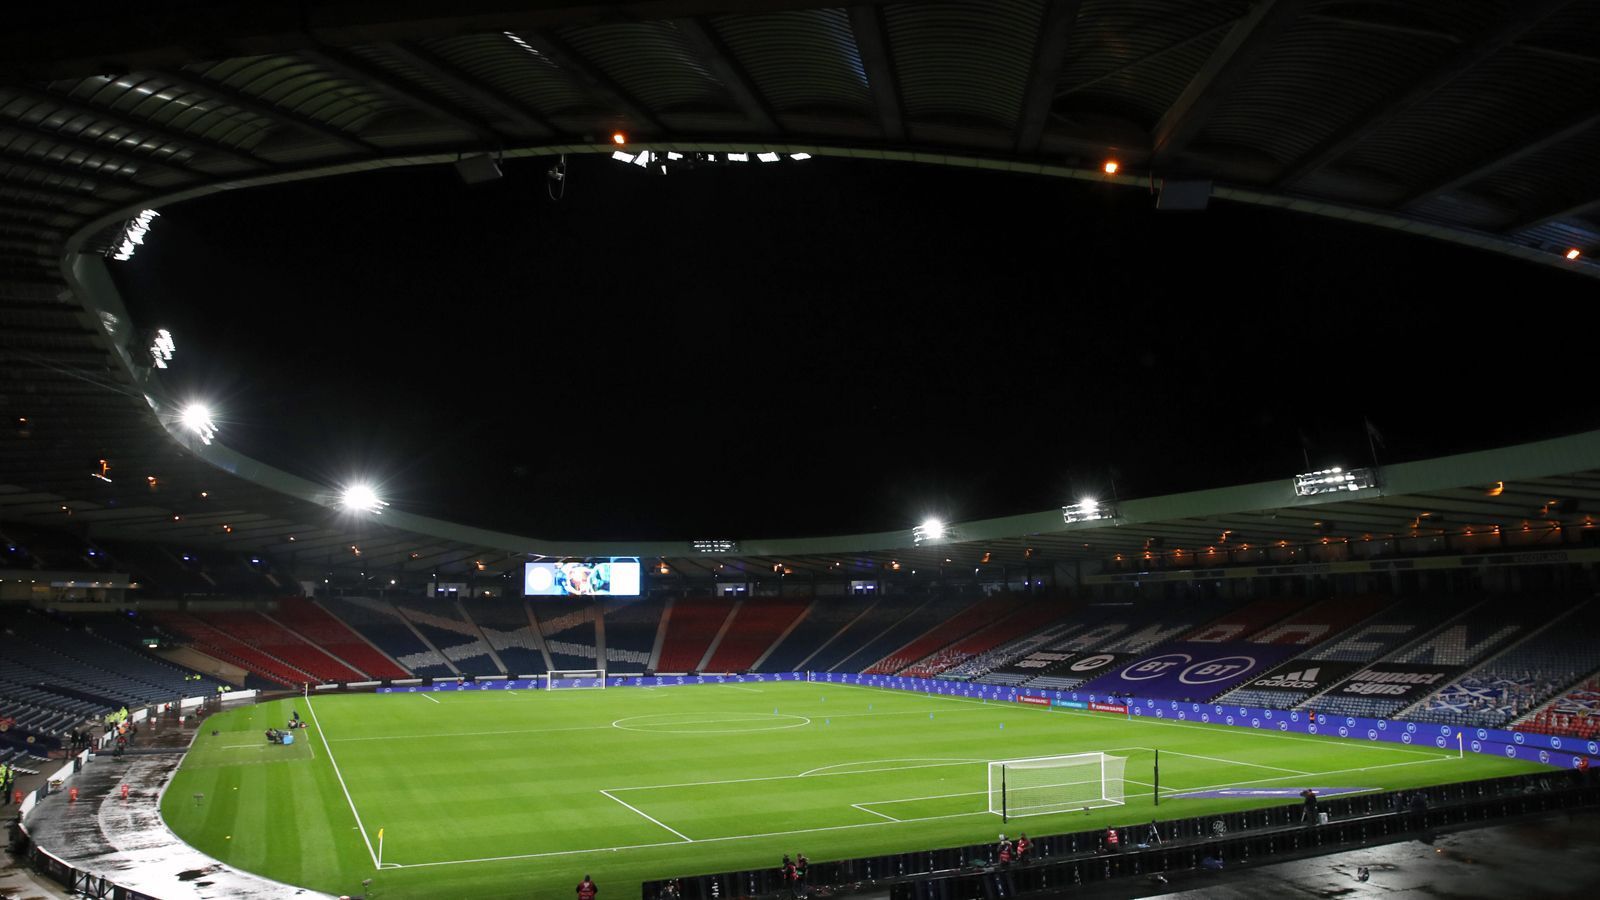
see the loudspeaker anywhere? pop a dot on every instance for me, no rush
(478, 169)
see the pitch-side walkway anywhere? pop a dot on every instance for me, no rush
(126, 842)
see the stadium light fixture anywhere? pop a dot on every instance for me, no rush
(1111, 167)
(161, 348)
(360, 497)
(619, 138)
(132, 235)
(1334, 480)
(714, 546)
(800, 156)
(1574, 253)
(929, 530)
(1087, 509)
(739, 157)
(197, 418)
(622, 157)
(767, 157)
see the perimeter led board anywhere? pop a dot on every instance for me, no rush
(601, 578)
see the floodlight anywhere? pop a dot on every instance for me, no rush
(717, 545)
(643, 159)
(1329, 481)
(622, 157)
(197, 418)
(360, 497)
(1087, 509)
(929, 530)
(162, 348)
(132, 235)
(1574, 253)
(1111, 167)
(739, 157)
(619, 138)
(799, 156)
(767, 157)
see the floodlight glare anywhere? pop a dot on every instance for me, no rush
(800, 156)
(1329, 481)
(1087, 510)
(767, 157)
(361, 498)
(929, 530)
(622, 157)
(197, 418)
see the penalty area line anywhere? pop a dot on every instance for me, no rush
(650, 817)
(426, 697)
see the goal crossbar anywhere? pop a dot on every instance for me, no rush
(575, 679)
(1040, 785)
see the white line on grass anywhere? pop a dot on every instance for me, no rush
(864, 809)
(744, 837)
(426, 697)
(362, 828)
(650, 817)
(937, 760)
(1238, 762)
(738, 688)
(646, 787)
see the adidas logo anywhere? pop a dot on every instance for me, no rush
(1305, 679)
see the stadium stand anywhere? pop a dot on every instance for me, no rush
(980, 614)
(509, 628)
(256, 632)
(631, 627)
(315, 624)
(379, 622)
(455, 637)
(1520, 680)
(757, 624)
(692, 625)
(1474, 635)
(568, 626)
(976, 654)
(1017, 661)
(1386, 632)
(165, 570)
(58, 660)
(1321, 621)
(1575, 712)
(1118, 630)
(929, 615)
(826, 620)
(863, 628)
(220, 642)
(1246, 620)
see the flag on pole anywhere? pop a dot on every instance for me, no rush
(380, 834)
(1373, 432)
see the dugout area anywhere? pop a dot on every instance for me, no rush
(478, 792)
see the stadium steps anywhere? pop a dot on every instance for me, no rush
(661, 636)
(631, 627)
(804, 615)
(716, 639)
(494, 656)
(358, 635)
(695, 623)
(331, 655)
(570, 631)
(1032, 616)
(538, 636)
(217, 642)
(753, 631)
(848, 624)
(899, 626)
(399, 614)
(1418, 710)
(963, 624)
(1426, 635)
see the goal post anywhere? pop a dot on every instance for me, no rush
(575, 679)
(1051, 784)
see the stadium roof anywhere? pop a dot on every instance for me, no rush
(1474, 122)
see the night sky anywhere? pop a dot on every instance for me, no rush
(830, 346)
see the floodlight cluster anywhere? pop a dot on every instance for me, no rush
(361, 498)
(929, 530)
(1329, 481)
(1087, 510)
(132, 236)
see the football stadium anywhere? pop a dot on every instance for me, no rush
(696, 450)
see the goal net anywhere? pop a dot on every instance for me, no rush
(575, 679)
(1051, 784)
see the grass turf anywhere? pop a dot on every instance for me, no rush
(518, 794)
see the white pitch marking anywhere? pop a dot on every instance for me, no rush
(936, 760)
(647, 787)
(864, 809)
(650, 817)
(342, 786)
(426, 697)
(743, 837)
(1238, 762)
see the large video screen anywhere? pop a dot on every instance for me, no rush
(607, 578)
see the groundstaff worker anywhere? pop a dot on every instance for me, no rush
(587, 889)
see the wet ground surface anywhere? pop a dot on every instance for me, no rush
(125, 839)
(1553, 857)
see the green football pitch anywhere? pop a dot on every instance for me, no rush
(521, 793)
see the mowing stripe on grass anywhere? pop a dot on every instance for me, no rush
(342, 787)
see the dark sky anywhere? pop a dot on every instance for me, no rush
(830, 346)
